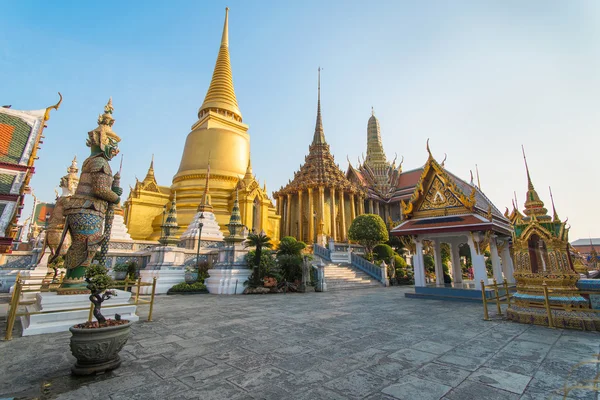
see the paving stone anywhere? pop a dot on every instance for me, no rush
(432, 347)
(465, 362)
(415, 357)
(509, 381)
(450, 376)
(357, 384)
(213, 391)
(256, 379)
(298, 363)
(470, 390)
(203, 376)
(159, 390)
(414, 388)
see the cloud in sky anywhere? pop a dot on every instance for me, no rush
(479, 78)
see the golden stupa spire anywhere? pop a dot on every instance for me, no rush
(221, 94)
(248, 170)
(319, 137)
(150, 173)
(375, 154)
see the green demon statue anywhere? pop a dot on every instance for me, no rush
(88, 213)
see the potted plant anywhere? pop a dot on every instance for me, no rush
(120, 270)
(96, 344)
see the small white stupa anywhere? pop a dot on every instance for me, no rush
(204, 215)
(119, 230)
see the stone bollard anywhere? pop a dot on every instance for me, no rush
(384, 276)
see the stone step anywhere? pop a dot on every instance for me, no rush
(343, 276)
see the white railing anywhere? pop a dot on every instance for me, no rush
(374, 270)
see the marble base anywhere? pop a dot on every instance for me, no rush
(61, 321)
(223, 281)
(165, 279)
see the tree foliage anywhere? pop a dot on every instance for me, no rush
(383, 252)
(258, 241)
(368, 230)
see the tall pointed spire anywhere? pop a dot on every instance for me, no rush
(534, 207)
(221, 94)
(248, 170)
(319, 137)
(554, 213)
(150, 174)
(170, 226)
(375, 155)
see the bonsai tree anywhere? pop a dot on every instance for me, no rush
(98, 282)
(368, 230)
(258, 241)
(383, 252)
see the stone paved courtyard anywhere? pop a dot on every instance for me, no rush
(361, 344)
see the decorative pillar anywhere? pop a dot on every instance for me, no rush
(496, 266)
(300, 215)
(370, 206)
(352, 208)
(311, 219)
(321, 207)
(418, 263)
(456, 268)
(362, 205)
(342, 217)
(280, 213)
(288, 215)
(507, 263)
(333, 224)
(479, 271)
(439, 268)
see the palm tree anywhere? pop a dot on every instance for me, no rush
(258, 241)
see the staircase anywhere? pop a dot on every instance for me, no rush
(344, 277)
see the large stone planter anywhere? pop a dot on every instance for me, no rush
(97, 350)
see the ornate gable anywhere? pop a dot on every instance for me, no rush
(436, 194)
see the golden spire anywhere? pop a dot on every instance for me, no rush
(150, 173)
(221, 94)
(205, 203)
(534, 207)
(375, 154)
(248, 170)
(319, 137)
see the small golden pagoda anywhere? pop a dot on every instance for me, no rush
(320, 200)
(542, 257)
(220, 133)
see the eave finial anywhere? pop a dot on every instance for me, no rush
(554, 213)
(471, 172)
(47, 113)
(428, 149)
(444, 160)
(478, 181)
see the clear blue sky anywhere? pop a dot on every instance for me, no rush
(479, 78)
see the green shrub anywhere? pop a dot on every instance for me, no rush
(290, 246)
(189, 287)
(399, 262)
(121, 267)
(383, 252)
(368, 230)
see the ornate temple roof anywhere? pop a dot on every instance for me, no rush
(536, 219)
(221, 94)
(442, 202)
(319, 168)
(375, 154)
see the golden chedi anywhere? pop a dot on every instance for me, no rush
(219, 135)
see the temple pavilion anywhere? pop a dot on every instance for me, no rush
(320, 201)
(220, 137)
(446, 209)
